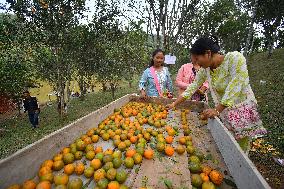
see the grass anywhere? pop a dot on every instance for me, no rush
(18, 132)
(267, 80)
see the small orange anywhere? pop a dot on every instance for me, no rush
(133, 139)
(98, 149)
(47, 163)
(169, 150)
(216, 177)
(83, 137)
(43, 185)
(204, 177)
(169, 139)
(108, 152)
(90, 132)
(206, 169)
(79, 169)
(69, 169)
(44, 171)
(29, 184)
(95, 138)
(14, 186)
(113, 185)
(88, 140)
(171, 132)
(96, 164)
(58, 157)
(182, 140)
(148, 154)
(66, 150)
(130, 152)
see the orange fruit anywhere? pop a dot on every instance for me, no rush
(90, 155)
(206, 169)
(171, 132)
(79, 169)
(113, 185)
(180, 149)
(182, 140)
(204, 177)
(148, 154)
(169, 150)
(43, 185)
(66, 150)
(58, 157)
(133, 139)
(29, 184)
(96, 164)
(89, 147)
(137, 158)
(69, 169)
(169, 139)
(98, 149)
(14, 186)
(47, 163)
(88, 140)
(47, 177)
(90, 132)
(122, 146)
(61, 179)
(130, 152)
(108, 152)
(95, 138)
(83, 137)
(129, 162)
(44, 171)
(216, 177)
(57, 165)
(99, 174)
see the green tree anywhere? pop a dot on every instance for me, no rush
(53, 20)
(16, 57)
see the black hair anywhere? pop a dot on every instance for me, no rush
(203, 44)
(154, 54)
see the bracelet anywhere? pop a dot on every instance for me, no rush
(218, 113)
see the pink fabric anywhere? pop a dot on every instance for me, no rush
(244, 120)
(152, 69)
(186, 76)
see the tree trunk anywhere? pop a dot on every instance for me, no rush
(270, 45)
(251, 28)
(130, 83)
(112, 87)
(68, 90)
(104, 86)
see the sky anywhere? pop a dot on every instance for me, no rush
(90, 4)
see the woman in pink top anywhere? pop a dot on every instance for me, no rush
(186, 75)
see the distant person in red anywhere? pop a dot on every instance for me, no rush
(31, 106)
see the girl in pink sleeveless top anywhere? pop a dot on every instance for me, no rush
(186, 76)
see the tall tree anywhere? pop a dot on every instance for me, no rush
(53, 20)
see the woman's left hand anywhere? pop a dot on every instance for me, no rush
(210, 113)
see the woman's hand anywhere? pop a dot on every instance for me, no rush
(209, 113)
(143, 95)
(201, 90)
(170, 106)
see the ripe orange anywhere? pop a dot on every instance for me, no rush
(169, 150)
(148, 154)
